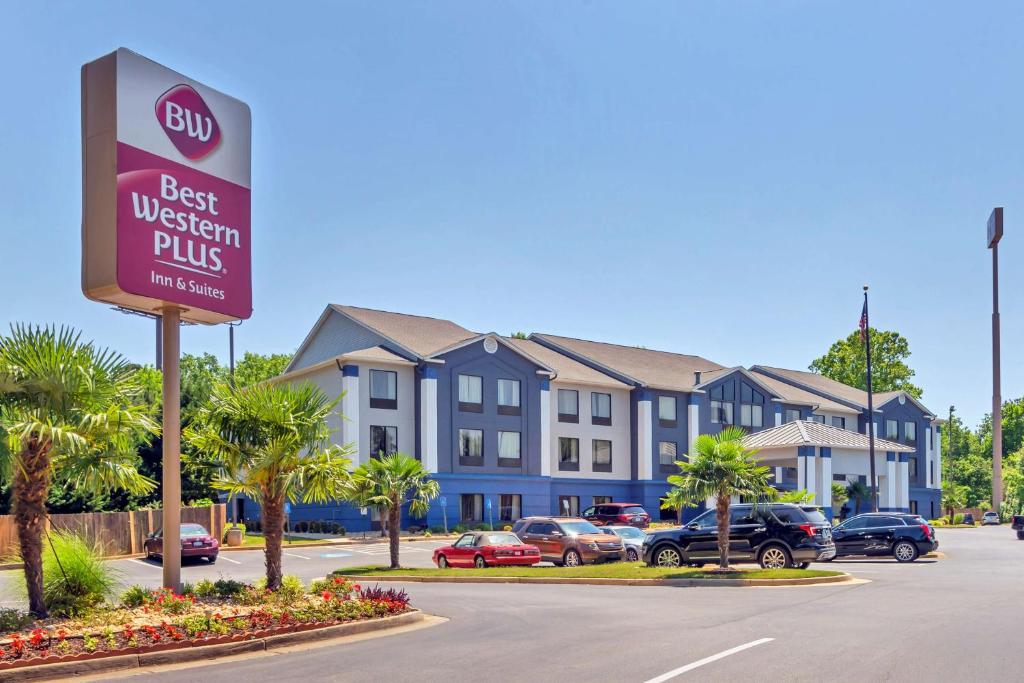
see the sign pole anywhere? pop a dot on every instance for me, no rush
(995, 233)
(171, 555)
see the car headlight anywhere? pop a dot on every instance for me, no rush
(592, 545)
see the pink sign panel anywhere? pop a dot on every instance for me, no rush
(182, 235)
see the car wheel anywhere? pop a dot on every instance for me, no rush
(479, 562)
(631, 555)
(774, 557)
(573, 559)
(212, 559)
(667, 556)
(803, 565)
(442, 562)
(904, 551)
(1020, 535)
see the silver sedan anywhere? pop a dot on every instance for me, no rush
(632, 539)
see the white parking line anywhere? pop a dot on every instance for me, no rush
(227, 559)
(301, 557)
(146, 564)
(707, 660)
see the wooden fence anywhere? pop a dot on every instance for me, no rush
(119, 533)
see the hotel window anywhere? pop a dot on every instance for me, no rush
(508, 397)
(472, 507)
(471, 447)
(722, 398)
(820, 419)
(667, 456)
(568, 405)
(508, 449)
(892, 430)
(510, 507)
(471, 399)
(751, 407)
(602, 455)
(910, 433)
(569, 506)
(383, 440)
(839, 421)
(384, 389)
(913, 507)
(600, 409)
(568, 454)
(912, 469)
(668, 411)
(602, 500)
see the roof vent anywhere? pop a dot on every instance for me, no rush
(696, 377)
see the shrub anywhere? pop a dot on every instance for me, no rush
(201, 503)
(459, 529)
(135, 596)
(228, 588)
(427, 534)
(483, 527)
(437, 529)
(507, 527)
(205, 589)
(958, 518)
(395, 599)
(75, 578)
(188, 589)
(229, 527)
(13, 620)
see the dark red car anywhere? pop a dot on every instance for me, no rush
(631, 514)
(196, 541)
(486, 549)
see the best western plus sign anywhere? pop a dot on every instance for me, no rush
(173, 226)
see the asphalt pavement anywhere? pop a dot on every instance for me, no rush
(951, 619)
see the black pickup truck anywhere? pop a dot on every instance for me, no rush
(1018, 526)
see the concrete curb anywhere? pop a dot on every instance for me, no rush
(190, 654)
(810, 581)
(342, 543)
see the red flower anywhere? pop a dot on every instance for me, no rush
(327, 595)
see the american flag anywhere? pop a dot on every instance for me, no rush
(864, 323)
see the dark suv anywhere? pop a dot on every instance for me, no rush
(904, 536)
(632, 514)
(776, 535)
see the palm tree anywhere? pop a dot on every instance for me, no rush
(270, 442)
(839, 497)
(798, 496)
(389, 482)
(68, 412)
(720, 468)
(858, 492)
(954, 496)
(674, 500)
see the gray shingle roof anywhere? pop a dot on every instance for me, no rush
(808, 433)
(656, 369)
(836, 389)
(419, 334)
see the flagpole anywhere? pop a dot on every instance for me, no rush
(866, 333)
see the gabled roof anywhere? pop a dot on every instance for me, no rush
(809, 433)
(709, 378)
(566, 369)
(792, 394)
(372, 354)
(890, 396)
(837, 390)
(419, 334)
(504, 341)
(643, 367)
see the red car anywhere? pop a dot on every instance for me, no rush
(629, 514)
(196, 541)
(486, 549)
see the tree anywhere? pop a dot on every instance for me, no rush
(674, 500)
(720, 468)
(954, 496)
(390, 482)
(255, 368)
(271, 443)
(69, 412)
(858, 492)
(839, 496)
(798, 496)
(846, 362)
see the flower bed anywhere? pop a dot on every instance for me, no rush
(149, 621)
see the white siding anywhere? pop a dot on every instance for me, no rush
(618, 433)
(404, 417)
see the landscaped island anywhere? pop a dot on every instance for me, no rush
(204, 614)
(612, 570)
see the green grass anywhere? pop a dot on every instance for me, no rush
(257, 540)
(614, 570)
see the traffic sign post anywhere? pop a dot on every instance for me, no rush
(444, 513)
(490, 513)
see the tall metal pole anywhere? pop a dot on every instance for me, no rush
(995, 233)
(171, 554)
(159, 344)
(871, 408)
(231, 351)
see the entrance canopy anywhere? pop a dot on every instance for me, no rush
(809, 433)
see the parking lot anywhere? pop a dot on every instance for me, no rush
(905, 621)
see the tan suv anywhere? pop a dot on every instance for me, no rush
(568, 541)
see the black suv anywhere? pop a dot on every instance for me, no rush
(904, 536)
(776, 535)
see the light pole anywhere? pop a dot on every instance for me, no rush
(995, 233)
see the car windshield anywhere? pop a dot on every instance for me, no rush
(193, 530)
(502, 539)
(629, 532)
(577, 528)
(634, 510)
(814, 516)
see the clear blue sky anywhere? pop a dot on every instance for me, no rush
(717, 179)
